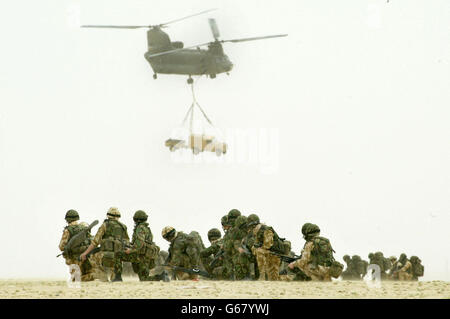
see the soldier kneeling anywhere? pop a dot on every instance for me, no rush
(317, 260)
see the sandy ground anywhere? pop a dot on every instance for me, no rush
(131, 288)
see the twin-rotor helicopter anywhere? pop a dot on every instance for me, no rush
(167, 57)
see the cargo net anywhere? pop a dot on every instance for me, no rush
(197, 142)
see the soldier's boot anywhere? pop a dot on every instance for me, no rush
(117, 278)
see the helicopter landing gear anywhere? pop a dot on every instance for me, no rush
(155, 76)
(190, 80)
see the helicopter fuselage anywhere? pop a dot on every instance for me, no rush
(190, 62)
(185, 62)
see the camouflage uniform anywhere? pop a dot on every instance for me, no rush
(112, 237)
(405, 273)
(90, 270)
(384, 263)
(241, 261)
(317, 258)
(268, 264)
(350, 272)
(143, 250)
(248, 242)
(417, 268)
(360, 266)
(183, 252)
(210, 254)
(229, 245)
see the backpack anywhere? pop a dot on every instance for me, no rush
(418, 270)
(322, 253)
(78, 250)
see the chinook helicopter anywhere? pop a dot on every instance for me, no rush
(167, 57)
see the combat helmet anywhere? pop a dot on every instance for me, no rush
(168, 233)
(214, 234)
(224, 220)
(232, 215)
(356, 258)
(240, 221)
(309, 230)
(140, 216)
(252, 220)
(393, 259)
(346, 258)
(402, 258)
(72, 215)
(414, 259)
(113, 212)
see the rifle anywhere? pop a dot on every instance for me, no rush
(285, 258)
(192, 271)
(216, 258)
(77, 239)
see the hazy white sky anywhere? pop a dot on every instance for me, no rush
(358, 94)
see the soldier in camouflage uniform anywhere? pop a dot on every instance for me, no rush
(143, 251)
(360, 266)
(392, 273)
(225, 225)
(350, 272)
(90, 270)
(241, 261)
(183, 252)
(247, 243)
(268, 264)
(212, 256)
(417, 268)
(384, 263)
(228, 244)
(287, 274)
(405, 273)
(113, 238)
(317, 260)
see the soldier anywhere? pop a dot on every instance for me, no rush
(247, 243)
(228, 243)
(317, 259)
(379, 259)
(212, 256)
(267, 241)
(394, 268)
(417, 268)
(112, 237)
(359, 266)
(183, 252)
(224, 222)
(143, 251)
(350, 271)
(241, 261)
(91, 269)
(405, 273)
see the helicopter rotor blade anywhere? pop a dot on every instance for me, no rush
(214, 28)
(255, 38)
(177, 50)
(117, 26)
(186, 17)
(144, 26)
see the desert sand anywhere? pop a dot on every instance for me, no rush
(132, 288)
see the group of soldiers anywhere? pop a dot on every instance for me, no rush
(248, 250)
(402, 269)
